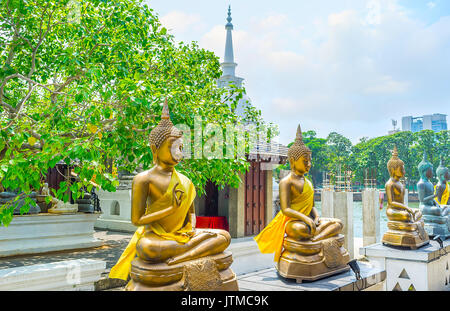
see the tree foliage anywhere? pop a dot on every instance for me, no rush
(335, 150)
(83, 82)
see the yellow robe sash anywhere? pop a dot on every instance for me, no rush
(270, 240)
(171, 227)
(445, 195)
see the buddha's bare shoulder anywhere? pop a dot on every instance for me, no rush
(389, 183)
(286, 181)
(144, 177)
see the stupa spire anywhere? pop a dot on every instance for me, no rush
(228, 65)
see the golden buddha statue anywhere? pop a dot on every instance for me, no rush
(405, 225)
(306, 246)
(171, 253)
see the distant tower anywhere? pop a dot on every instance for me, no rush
(395, 130)
(228, 65)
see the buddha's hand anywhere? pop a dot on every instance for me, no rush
(317, 221)
(409, 210)
(177, 194)
(189, 234)
(312, 226)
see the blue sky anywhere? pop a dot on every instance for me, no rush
(348, 66)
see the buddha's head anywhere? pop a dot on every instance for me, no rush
(166, 140)
(442, 171)
(299, 155)
(395, 166)
(425, 168)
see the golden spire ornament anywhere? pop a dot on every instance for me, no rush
(298, 148)
(394, 161)
(164, 129)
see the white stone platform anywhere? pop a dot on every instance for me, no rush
(372, 278)
(80, 274)
(116, 211)
(423, 269)
(32, 234)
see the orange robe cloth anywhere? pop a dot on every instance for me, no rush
(172, 227)
(270, 240)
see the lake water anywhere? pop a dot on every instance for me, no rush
(357, 217)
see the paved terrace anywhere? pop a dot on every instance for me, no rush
(115, 242)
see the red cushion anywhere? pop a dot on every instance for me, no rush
(213, 222)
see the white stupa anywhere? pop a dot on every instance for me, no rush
(229, 69)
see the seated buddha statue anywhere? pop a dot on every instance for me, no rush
(405, 224)
(167, 252)
(306, 246)
(441, 189)
(432, 206)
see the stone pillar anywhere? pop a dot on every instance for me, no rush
(343, 210)
(269, 196)
(326, 198)
(371, 216)
(236, 210)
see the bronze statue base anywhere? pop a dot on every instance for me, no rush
(408, 235)
(310, 261)
(208, 273)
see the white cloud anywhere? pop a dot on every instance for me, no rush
(271, 21)
(431, 5)
(179, 22)
(283, 61)
(386, 85)
(344, 18)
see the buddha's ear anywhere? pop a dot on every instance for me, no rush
(154, 153)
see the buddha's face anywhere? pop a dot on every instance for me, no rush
(398, 172)
(170, 152)
(301, 165)
(442, 176)
(446, 176)
(429, 172)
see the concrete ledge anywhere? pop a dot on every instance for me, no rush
(425, 253)
(80, 274)
(115, 225)
(31, 234)
(247, 257)
(269, 280)
(423, 269)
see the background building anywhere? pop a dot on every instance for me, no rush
(436, 122)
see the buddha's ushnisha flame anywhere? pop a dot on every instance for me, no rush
(424, 165)
(395, 161)
(441, 169)
(164, 129)
(298, 148)
(395, 152)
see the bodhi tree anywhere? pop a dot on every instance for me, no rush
(83, 82)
